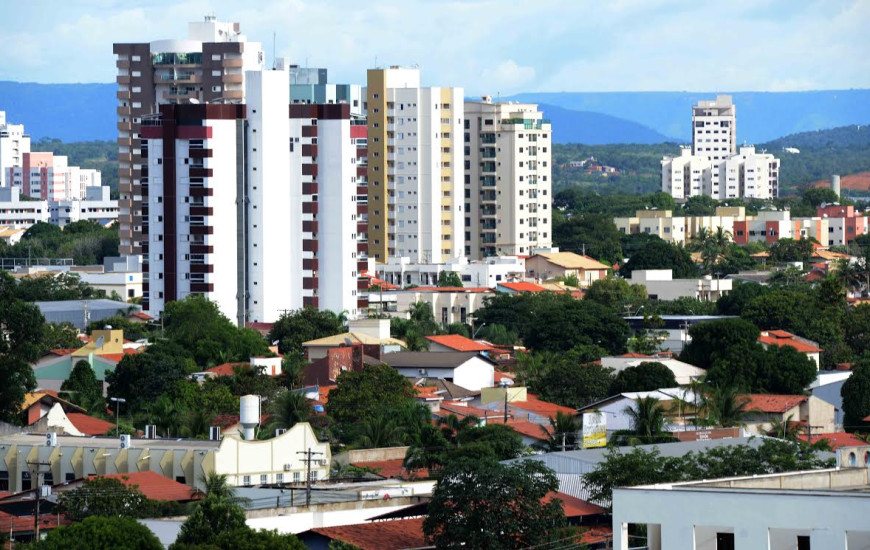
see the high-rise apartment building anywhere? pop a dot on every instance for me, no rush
(209, 66)
(48, 176)
(508, 179)
(415, 174)
(714, 133)
(328, 163)
(748, 174)
(14, 143)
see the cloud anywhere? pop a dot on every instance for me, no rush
(508, 77)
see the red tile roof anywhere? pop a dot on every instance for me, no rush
(524, 427)
(393, 469)
(458, 342)
(141, 315)
(499, 376)
(574, 507)
(155, 486)
(449, 289)
(63, 351)
(450, 407)
(632, 355)
(543, 408)
(523, 287)
(24, 524)
(397, 534)
(89, 425)
(771, 403)
(782, 338)
(116, 357)
(428, 392)
(226, 369)
(837, 440)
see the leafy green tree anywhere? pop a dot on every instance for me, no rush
(700, 205)
(572, 384)
(212, 517)
(302, 325)
(784, 370)
(341, 545)
(490, 505)
(856, 397)
(815, 196)
(790, 250)
(143, 377)
(60, 336)
(593, 233)
(449, 279)
(501, 440)
(21, 333)
(83, 388)
(740, 296)
(617, 294)
(210, 396)
(661, 255)
(498, 335)
(648, 340)
(102, 496)
(63, 286)
(250, 539)
(101, 532)
(723, 406)
(856, 327)
(647, 376)
(360, 393)
(564, 433)
(711, 337)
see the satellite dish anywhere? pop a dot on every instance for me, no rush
(194, 101)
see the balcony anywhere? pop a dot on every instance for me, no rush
(309, 245)
(233, 78)
(309, 208)
(201, 230)
(233, 63)
(201, 268)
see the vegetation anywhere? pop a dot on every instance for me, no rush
(101, 532)
(83, 388)
(490, 505)
(86, 242)
(449, 279)
(21, 331)
(103, 496)
(856, 397)
(358, 395)
(647, 376)
(642, 467)
(295, 327)
(97, 154)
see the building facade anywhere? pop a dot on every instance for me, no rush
(414, 168)
(208, 66)
(14, 143)
(508, 179)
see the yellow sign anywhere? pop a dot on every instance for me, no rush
(594, 430)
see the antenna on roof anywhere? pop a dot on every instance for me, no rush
(274, 54)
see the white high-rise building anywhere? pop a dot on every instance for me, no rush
(687, 175)
(414, 168)
(508, 179)
(750, 175)
(14, 143)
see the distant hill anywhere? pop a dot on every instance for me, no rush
(761, 116)
(69, 112)
(597, 128)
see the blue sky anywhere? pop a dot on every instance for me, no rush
(485, 46)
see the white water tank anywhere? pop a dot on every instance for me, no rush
(249, 415)
(835, 184)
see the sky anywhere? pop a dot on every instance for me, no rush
(485, 46)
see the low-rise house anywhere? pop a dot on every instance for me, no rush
(521, 287)
(103, 351)
(676, 326)
(401, 272)
(337, 360)
(764, 412)
(677, 405)
(660, 285)
(466, 369)
(828, 386)
(550, 264)
(457, 342)
(59, 421)
(372, 334)
(780, 338)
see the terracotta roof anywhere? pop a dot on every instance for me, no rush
(523, 427)
(141, 315)
(449, 289)
(116, 357)
(429, 392)
(89, 425)
(837, 440)
(543, 408)
(24, 524)
(259, 327)
(392, 469)
(782, 338)
(226, 369)
(397, 534)
(499, 376)
(31, 399)
(155, 486)
(597, 535)
(63, 351)
(771, 403)
(523, 287)
(866, 418)
(635, 355)
(458, 342)
(573, 506)
(570, 260)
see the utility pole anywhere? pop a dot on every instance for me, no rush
(308, 458)
(37, 495)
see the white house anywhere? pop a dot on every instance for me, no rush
(661, 285)
(466, 369)
(684, 373)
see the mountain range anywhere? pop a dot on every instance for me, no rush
(84, 112)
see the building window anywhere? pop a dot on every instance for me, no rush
(246, 481)
(264, 479)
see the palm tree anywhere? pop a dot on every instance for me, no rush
(647, 418)
(784, 428)
(454, 429)
(721, 237)
(700, 239)
(724, 407)
(379, 431)
(565, 434)
(167, 416)
(853, 275)
(196, 424)
(287, 409)
(214, 485)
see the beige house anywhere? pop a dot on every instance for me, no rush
(549, 265)
(764, 412)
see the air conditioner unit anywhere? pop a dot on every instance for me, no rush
(51, 439)
(280, 431)
(125, 441)
(322, 462)
(287, 467)
(423, 372)
(150, 431)
(214, 433)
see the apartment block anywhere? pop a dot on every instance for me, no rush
(844, 224)
(508, 179)
(328, 151)
(49, 177)
(14, 143)
(414, 168)
(687, 175)
(714, 128)
(96, 206)
(749, 175)
(485, 273)
(208, 66)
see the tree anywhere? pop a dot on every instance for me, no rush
(60, 336)
(449, 279)
(287, 409)
(21, 333)
(101, 532)
(711, 337)
(649, 339)
(493, 506)
(856, 397)
(661, 255)
(142, 378)
(563, 323)
(102, 496)
(379, 430)
(722, 406)
(563, 435)
(572, 384)
(82, 387)
(360, 393)
(261, 539)
(617, 294)
(790, 250)
(212, 517)
(740, 296)
(295, 327)
(647, 418)
(217, 486)
(856, 328)
(501, 441)
(51, 288)
(498, 335)
(647, 376)
(815, 196)
(594, 234)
